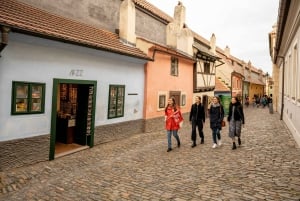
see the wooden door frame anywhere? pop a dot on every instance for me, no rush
(56, 82)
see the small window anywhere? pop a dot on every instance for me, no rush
(162, 101)
(206, 68)
(183, 99)
(28, 98)
(116, 101)
(174, 66)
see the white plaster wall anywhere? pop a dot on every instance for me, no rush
(33, 59)
(291, 109)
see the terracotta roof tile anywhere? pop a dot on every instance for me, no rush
(221, 86)
(20, 16)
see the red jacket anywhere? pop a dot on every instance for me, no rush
(173, 118)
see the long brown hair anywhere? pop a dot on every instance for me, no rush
(173, 104)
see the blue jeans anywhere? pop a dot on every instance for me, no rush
(169, 132)
(216, 134)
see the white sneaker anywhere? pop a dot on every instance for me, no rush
(219, 142)
(214, 146)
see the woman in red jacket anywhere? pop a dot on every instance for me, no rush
(173, 118)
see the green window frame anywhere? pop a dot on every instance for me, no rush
(116, 101)
(27, 98)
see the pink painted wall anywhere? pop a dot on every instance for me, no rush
(158, 78)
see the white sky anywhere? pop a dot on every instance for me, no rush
(242, 25)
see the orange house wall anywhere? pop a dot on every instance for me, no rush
(158, 78)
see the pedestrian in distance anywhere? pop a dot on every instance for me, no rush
(197, 119)
(216, 115)
(235, 120)
(173, 118)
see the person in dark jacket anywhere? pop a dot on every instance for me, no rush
(236, 119)
(197, 119)
(216, 115)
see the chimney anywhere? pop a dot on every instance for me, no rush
(179, 15)
(227, 51)
(213, 44)
(127, 21)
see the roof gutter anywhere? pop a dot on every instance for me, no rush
(4, 37)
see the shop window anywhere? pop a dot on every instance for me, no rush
(116, 101)
(174, 66)
(28, 98)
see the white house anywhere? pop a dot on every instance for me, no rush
(63, 84)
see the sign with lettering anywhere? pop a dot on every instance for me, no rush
(76, 73)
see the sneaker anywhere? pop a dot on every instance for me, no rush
(219, 142)
(169, 149)
(214, 146)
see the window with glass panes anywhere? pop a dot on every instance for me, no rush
(116, 101)
(28, 97)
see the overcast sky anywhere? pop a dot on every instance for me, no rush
(242, 25)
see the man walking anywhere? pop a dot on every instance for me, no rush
(197, 119)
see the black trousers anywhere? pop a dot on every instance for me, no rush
(196, 124)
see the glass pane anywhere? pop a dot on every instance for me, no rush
(21, 91)
(121, 91)
(36, 91)
(36, 105)
(162, 101)
(21, 105)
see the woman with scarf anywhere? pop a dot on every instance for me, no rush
(236, 119)
(216, 115)
(173, 118)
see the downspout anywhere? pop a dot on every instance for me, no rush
(4, 37)
(282, 90)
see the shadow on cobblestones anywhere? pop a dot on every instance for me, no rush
(265, 167)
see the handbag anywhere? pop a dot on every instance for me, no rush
(223, 123)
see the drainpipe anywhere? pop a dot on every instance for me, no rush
(282, 90)
(4, 37)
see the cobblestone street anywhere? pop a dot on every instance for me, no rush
(265, 167)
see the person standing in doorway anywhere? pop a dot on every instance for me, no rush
(172, 118)
(216, 115)
(236, 119)
(197, 119)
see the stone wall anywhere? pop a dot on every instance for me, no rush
(100, 13)
(20, 152)
(150, 28)
(113, 132)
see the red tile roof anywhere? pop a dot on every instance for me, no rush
(25, 18)
(221, 86)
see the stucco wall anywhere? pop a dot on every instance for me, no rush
(159, 79)
(100, 13)
(150, 28)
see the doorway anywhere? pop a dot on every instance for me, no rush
(73, 109)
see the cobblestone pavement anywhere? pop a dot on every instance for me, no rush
(265, 167)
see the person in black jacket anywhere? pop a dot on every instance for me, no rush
(197, 119)
(236, 119)
(216, 115)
